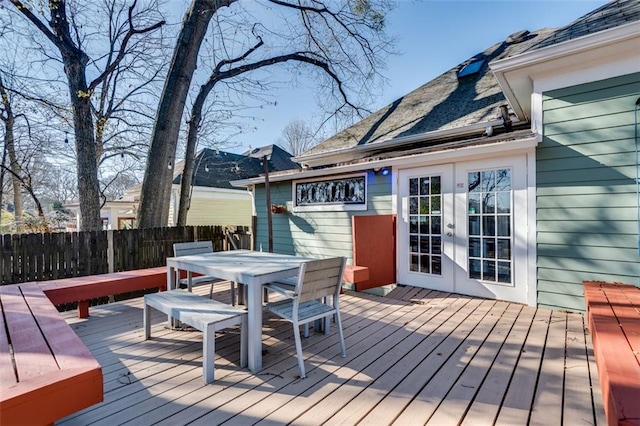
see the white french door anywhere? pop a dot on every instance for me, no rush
(463, 228)
(425, 227)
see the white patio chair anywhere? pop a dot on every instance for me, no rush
(318, 281)
(199, 247)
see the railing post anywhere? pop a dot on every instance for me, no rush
(110, 251)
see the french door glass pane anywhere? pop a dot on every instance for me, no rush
(489, 212)
(425, 225)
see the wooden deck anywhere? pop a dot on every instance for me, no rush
(414, 357)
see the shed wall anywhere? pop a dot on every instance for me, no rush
(316, 233)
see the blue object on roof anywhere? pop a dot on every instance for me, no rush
(471, 68)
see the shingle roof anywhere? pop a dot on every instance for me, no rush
(610, 15)
(443, 103)
(214, 169)
(448, 102)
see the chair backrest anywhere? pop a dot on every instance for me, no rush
(195, 247)
(320, 278)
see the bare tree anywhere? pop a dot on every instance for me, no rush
(65, 32)
(297, 137)
(340, 41)
(8, 117)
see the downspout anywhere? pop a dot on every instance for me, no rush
(635, 134)
(267, 190)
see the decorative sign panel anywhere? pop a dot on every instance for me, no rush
(348, 190)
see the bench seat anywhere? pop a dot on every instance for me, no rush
(613, 312)
(83, 289)
(202, 313)
(46, 371)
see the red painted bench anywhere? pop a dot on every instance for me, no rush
(46, 371)
(355, 274)
(613, 311)
(83, 289)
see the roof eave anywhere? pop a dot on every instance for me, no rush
(358, 152)
(516, 74)
(500, 145)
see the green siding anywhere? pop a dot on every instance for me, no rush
(316, 234)
(586, 195)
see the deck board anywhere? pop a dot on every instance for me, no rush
(414, 356)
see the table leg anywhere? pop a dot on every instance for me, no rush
(254, 327)
(241, 293)
(171, 284)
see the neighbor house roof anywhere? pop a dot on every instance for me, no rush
(214, 168)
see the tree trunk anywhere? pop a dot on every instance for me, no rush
(190, 153)
(75, 67)
(87, 165)
(9, 143)
(187, 171)
(156, 185)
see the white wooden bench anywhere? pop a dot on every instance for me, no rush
(203, 314)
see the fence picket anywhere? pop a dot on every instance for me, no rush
(41, 257)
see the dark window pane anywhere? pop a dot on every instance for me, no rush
(489, 248)
(474, 182)
(504, 226)
(474, 269)
(488, 181)
(424, 224)
(504, 202)
(413, 186)
(413, 205)
(413, 224)
(436, 265)
(488, 203)
(435, 185)
(503, 180)
(424, 264)
(504, 272)
(488, 226)
(415, 263)
(435, 204)
(489, 270)
(413, 243)
(474, 203)
(504, 249)
(436, 245)
(436, 225)
(424, 244)
(424, 186)
(474, 247)
(424, 205)
(474, 225)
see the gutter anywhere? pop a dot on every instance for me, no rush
(315, 160)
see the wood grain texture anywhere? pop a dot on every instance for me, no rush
(400, 348)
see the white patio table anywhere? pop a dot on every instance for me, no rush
(252, 268)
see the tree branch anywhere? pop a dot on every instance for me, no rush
(123, 46)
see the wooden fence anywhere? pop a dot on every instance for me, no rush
(42, 257)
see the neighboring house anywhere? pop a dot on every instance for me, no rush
(213, 200)
(512, 176)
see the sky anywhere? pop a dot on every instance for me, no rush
(432, 37)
